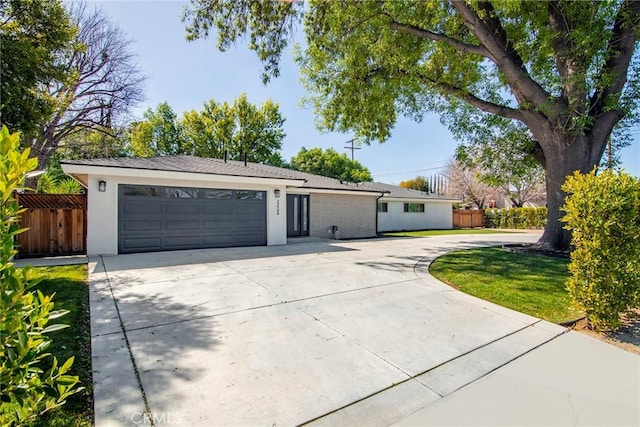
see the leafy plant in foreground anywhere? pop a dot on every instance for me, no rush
(27, 389)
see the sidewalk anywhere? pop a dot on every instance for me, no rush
(572, 380)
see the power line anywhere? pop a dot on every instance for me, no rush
(441, 162)
(408, 171)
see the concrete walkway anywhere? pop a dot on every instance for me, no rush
(331, 333)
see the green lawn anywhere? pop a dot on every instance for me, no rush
(72, 293)
(531, 284)
(423, 233)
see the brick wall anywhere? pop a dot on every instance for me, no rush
(354, 215)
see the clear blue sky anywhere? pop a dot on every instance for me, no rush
(186, 74)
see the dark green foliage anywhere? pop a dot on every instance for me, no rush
(32, 35)
(330, 163)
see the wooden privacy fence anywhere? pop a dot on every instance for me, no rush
(467, 218)
(57, 224)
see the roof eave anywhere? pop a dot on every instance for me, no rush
(127, 171)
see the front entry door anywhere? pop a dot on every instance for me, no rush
(297, 215)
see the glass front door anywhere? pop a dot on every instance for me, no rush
(297, 215)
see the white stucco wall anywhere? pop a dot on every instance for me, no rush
(102, 208)
(437, 215)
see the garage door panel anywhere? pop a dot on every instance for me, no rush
(153, 218)
(219, 207)
(141, 244)
(250, 229)
(222, 225)
(248, 240)
(142, 207)
(181, 242)
(182, 225)
(218, 240)
(252, 225)
(187, 208)
(145, 226)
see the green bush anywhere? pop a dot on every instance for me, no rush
(603, 213)
(520, 218)
(27, 390)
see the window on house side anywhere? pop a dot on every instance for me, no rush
(383, 207)
(414, 207)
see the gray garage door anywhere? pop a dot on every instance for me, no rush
(152, 218)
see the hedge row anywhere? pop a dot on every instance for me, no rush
(603, 214)
(523, 218)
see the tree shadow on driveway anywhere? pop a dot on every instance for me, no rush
(152, 350)
(203, 256)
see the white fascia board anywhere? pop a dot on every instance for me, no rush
(327, 191)
(409, 200)
(187, 176)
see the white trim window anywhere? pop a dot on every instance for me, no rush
(414, 207)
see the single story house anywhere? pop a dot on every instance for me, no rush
(186, 202)
(403, 209)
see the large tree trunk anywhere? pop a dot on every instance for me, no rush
(563, 157)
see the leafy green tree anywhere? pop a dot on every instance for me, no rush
(159, 134)
(419, 183)
(330, 163)
(237, 128)
(27, 389)
(94, 143)
(32, 36)
(567, 70)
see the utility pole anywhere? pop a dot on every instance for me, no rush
(352, 147)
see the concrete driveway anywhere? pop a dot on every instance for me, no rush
(326, 332)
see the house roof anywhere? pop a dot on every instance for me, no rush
(396, 192)
(212, 166)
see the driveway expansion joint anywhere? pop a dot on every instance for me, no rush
(416, 376)
(126, 339)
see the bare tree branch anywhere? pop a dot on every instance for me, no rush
(464, 184)
(108, 83)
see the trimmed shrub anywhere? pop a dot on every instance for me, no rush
(603, 214)
(28, 387)
(520, 218)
